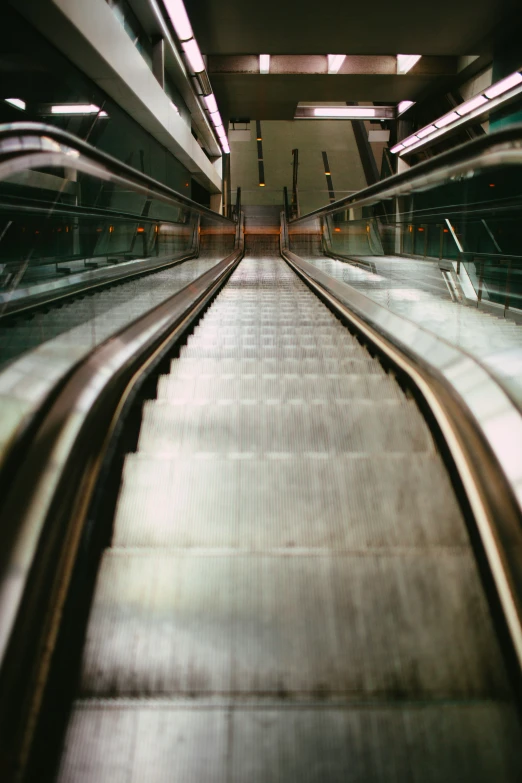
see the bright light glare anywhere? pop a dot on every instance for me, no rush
(210, 100)
(397, 148)
(18, 102)
(403, 106)
(504, 85)
(179, 18)
(426, 131)
(409, 141)
(225, 146)
(405, 62)
(77, 108)
(351, 112)
(335, 61)
(216, 119)
(447, 119)
(469, 106)
(194, 57)
(221, 132)
(264, 63)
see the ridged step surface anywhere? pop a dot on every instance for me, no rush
(93, 317)
(290, 593)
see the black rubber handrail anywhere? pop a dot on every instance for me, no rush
(20, 138)
(47, 503)
(507, 138)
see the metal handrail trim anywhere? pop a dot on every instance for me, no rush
(25, 137)
(50, 490)
(499, 148)
(482, 405)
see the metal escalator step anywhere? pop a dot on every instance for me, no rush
(279, 351)
(398, 626)
(329, 428)
(158, 741)
(191, 367)
(350, 503)
(278, 388)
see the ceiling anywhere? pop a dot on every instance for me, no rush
(449, 28)
(340, 26)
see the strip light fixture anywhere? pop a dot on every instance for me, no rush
(77, 108)
(181, 23)
(264, 63)
(350, 112)
(335, 61)
(17, 103)
(500, 92)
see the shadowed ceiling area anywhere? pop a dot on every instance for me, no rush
(448, 27)
(445, 31)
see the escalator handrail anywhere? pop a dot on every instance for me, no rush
(480, 424)
(47, 504)
(22, 138)
(499, 148)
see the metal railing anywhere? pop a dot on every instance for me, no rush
(33, 144)
(500, 148)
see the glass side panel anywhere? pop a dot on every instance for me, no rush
(75, 232)
(448, 258)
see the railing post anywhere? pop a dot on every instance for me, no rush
(481, 279)
(508, 284)
(285, 202)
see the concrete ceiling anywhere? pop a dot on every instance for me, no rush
(448, 29)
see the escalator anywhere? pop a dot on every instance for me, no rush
(245, 541)
(289, 592)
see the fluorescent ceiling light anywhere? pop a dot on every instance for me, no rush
(404, 106)
(426, 131)
(179, 18)
(77, 108)
(335, 61)
(264, 63)
(397, 148)
(405, 62)
(216, 119)
(194, 57)
(210, 100)
(225, 146)
(469, 106)
(18, 102)
(504, 85)
(409, 141)
(475, 107)
(351, 112)
(447, 119)
(221, 132)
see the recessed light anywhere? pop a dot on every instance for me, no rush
(335, 61)
(405, 62)
(17, 102)
(264, 63)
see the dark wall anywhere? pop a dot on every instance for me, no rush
(33, 70)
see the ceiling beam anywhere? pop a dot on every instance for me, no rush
(318, 64)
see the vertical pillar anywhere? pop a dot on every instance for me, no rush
(158, 60)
